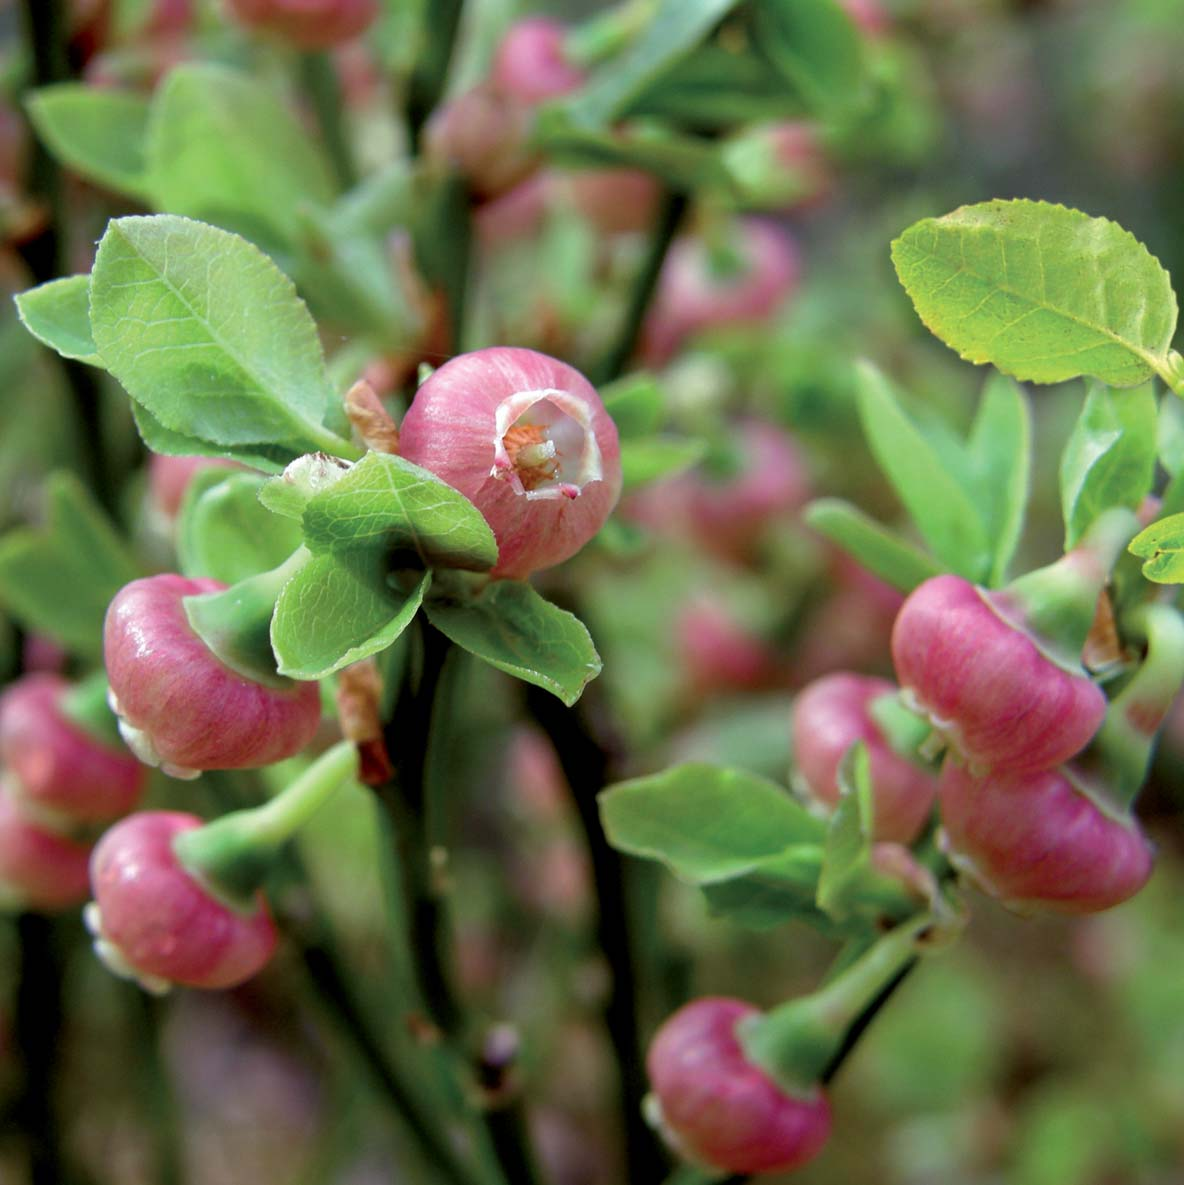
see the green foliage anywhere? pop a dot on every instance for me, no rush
(98, 132)
(511, 627)
(57, 314)
(673, 30)
(999, 452)
(389, 504)
(878, 549)
(225, 533)
(1161, 546)
(818, 51)
(933, 491)
(337, 610)
(1110, 458)
(59, 580)
(223, 148)
(207, 334)
(1043, 292)
(849, 840)
(636, 403)
(653, 457)
(705, 823)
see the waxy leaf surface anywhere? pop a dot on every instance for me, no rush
(205, 332)
(1043, 292)
(1161, 545)
(57, 314)
(512, 628)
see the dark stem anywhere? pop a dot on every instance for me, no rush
(38, 1030)
(673, 211)
(338, 1000)
(323, 87)
(586, 767)
(865, 1018)
(506, 1126)
(46, 253)
(426, 85)
(149, 1013)
(405, 800)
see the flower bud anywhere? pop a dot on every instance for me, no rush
(1040, 841)
(718, 1108)
(831, 715)
(779, 166)
(994, 692)
(307, 24)
(530, 64)
(483, 135)
(57, 765)
(155, 921)
(180, 706)
(39, 869)
(169, 478)
(716, 649)
(696, 292)
(615, 201)
(526, 439)
(729, 511)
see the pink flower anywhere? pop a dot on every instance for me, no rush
(831, 715)
(530, 63)
(56, 765)
(180, 706)
(308, 24)
(998, 697)
(39, 869)
(526, 439)
(694, 295)
(154, 921)
(1038, 841)
(718, 1108)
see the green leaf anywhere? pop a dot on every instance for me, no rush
(716, 88)
(849, 839)
(817, 49)
(936, 499)
(226, 534)
(705, 823)
(59, 580)
(57, 314)
(1110, 457)
(1170, 436)
(1043, 292)
(338, 610)
(772, 892)
(160, 439)
(646, 460)
(673, 30)
(681, 161)
(1000, 454)
(514, 629)
(206, 332)
(98, 132)
(284, 498)
(388, 503)
(878, 549)
(636, 404)
(1161, 545)
(223, 148)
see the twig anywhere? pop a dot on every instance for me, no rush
(441, 21)
(669, 219)
(586, 767)
(321, 83)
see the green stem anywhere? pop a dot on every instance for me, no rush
(1115, 763)
(235, 623)
(235, 854)
(798, 1043)
(158, 1088)
(673, 210)
(323, 87)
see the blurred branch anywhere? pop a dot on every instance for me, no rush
(441, 21)
(670, 218)
(323, 87)
(586, 767)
